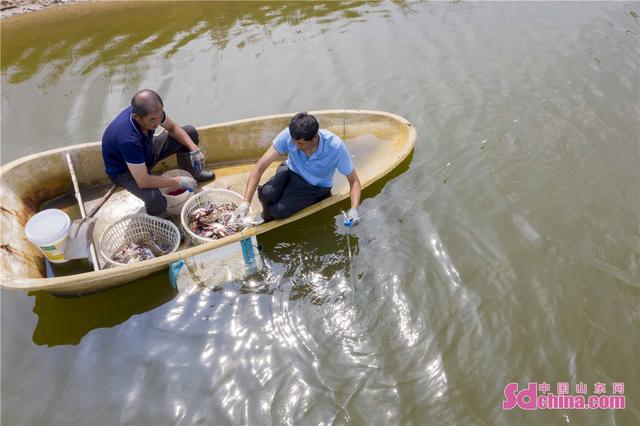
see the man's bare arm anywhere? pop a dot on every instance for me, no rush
(145, 180)
(178, 133)
(355, 189)
(256, 173)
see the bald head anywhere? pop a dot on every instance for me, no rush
(146, 101)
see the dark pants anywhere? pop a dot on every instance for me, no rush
(163, 146)
(287, 193)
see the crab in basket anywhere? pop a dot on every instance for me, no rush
(144, 249)
(213, 220)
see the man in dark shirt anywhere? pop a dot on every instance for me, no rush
(130, 150)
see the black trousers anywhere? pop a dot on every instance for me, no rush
(163, 146)
(287, 193)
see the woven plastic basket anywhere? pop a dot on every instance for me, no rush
(215, 196)
(136, 228)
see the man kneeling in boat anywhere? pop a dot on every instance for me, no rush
(306, 177)
(130, 150)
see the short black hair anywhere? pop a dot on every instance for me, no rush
(303, 126)
(146, 101)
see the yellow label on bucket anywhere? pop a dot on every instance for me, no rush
(53, 256)
(54, 252)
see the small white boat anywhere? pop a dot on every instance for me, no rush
(378, 142)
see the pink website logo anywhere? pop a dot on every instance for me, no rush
(539, 397)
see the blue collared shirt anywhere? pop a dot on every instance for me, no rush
(319, 168)
(124, 142)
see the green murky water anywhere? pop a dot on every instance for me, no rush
(505, 251)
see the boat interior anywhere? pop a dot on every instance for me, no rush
(43, 181)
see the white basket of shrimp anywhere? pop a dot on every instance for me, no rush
(138, 237)
(206, 216)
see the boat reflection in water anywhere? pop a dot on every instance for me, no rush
(65, 321)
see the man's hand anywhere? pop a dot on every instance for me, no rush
(352, 218)
(188, 183)
(240, 212)
(197, 160)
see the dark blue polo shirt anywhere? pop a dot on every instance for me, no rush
(124, 142)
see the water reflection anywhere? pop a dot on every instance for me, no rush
(65, 321)
(497, 256)
(307, 349)
(101, 34)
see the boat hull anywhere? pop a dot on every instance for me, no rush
(378, 142)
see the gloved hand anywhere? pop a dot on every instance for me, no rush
(240, 212)
(352, 218)
(197, 160)
(188, 183)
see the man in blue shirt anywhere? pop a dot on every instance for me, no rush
(306, 177)
(130, 150)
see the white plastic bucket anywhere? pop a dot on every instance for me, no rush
(175, 202)
(48, 230)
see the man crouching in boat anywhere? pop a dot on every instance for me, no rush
(130, 150)
(306, 177)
